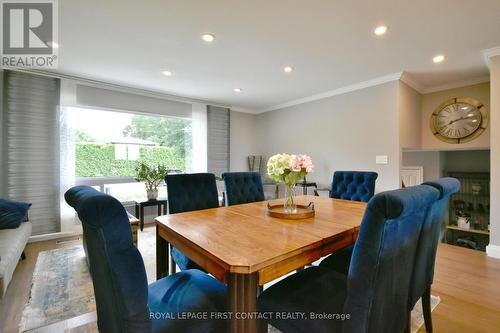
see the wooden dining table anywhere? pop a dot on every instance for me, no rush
(245, 248)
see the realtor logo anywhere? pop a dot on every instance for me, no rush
(29, 34)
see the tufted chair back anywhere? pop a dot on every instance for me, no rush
(353, 185)
(116, 266)
(188, 192)
(242, 187)
(423, 275)
(380, 273)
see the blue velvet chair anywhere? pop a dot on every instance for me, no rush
(376, 289)
(125, 302)
(423, 274)
(353, 185)
(242, 187)
(189, 192)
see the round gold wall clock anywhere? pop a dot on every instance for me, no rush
(459, 120)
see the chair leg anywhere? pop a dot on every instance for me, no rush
(408, 323)
(426, 309)
(23, 255)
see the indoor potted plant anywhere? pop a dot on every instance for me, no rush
(152, 177)
(289, 169)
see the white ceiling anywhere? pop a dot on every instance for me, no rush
(330, 43)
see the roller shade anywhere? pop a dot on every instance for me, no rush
(31, 141)
(110, 99)
(218, 120)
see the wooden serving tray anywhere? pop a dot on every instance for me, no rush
(303, 212)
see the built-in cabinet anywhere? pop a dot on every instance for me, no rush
(469, 211)
(467, 219)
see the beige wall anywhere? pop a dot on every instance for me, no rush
(431, 101)
(495, 156)
(243, 140)
(410, 124)
(343, 132)
(431, 161)
(436, 163)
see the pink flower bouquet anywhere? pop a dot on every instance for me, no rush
(289, 169)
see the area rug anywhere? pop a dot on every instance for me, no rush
(417, 316)
(62, 289)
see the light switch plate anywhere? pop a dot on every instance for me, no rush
(381, 159)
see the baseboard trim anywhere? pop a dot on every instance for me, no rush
(493, 251)
(55, 235)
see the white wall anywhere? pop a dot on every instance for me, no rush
(410, 104)
(495, 158)
(343, 132)
(242, 140)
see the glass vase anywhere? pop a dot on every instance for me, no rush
(289, 205)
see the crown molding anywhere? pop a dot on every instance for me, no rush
(409, 80)
(116, 86)
(490, 53)
(460, 84)
(339, 91)
(244, 110)
(403, 76)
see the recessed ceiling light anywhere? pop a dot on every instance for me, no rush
(238, 90)
(474, 121)
(208, 38)
(464, 107)
(380, 30)
(470, 115)
(288, 69)
(53, 45)
(167, 73)
(439, 58)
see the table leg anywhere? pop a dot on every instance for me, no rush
(161, 256)
(173, 265)
(141, 216)
(242, 299)
(135, 229)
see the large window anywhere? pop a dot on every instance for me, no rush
(109, 145)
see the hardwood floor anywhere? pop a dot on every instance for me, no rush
(467, 282)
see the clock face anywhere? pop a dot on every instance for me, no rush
(459, 120)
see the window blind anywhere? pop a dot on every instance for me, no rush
(31, 141)
(218, 140)
(109, 99)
